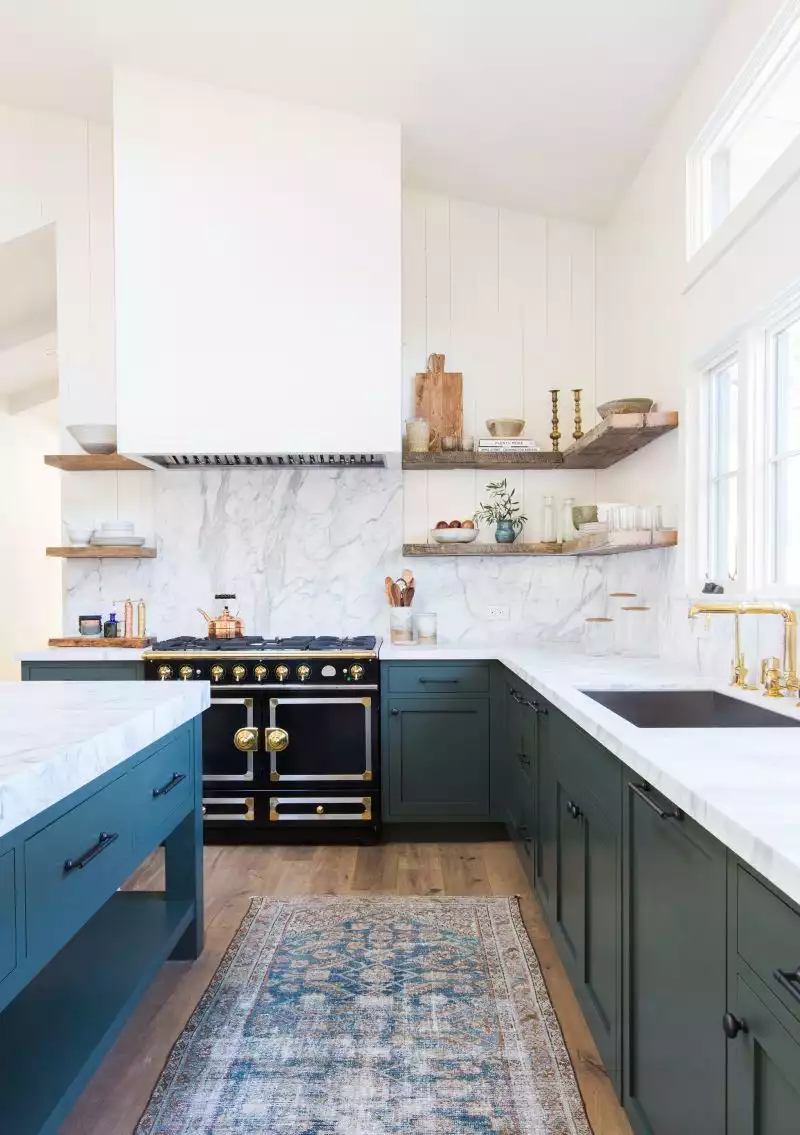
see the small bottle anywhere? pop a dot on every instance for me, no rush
(567, 525)
(548, 521)
(141, 619)
(128, 618)
(111, 626)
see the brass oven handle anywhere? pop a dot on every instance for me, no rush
(275, 740)
(246, 740)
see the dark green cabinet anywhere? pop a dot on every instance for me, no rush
(522, 756)
(674, 969)
(763, 1067)
(82, 671)
(436, 758)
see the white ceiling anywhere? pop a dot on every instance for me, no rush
(547, 105)
(28, 311)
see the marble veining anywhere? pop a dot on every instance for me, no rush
(55, 737)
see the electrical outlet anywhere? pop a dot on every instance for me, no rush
(494, 612)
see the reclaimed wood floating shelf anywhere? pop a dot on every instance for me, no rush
(96, 552)
(103, 643)
(611, 440)
(595, 545)
(97, 462)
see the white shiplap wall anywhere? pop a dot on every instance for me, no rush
(509, 298)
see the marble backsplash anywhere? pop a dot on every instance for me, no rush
(308, 550)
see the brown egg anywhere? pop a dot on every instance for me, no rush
(467, 523)
(455, 524)
(442, 524)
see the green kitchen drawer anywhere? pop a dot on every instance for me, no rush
(8, 915)
(438, 678)
(581, 763)
(75, 864)
(768, 938)
(161, 786)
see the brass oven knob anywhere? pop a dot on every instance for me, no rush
(281, 672)
(356, 671)
(275, 740)
(246, 740)
(216, 673)
(260, 673)
(185, 672)
(303, 671)
(238, 673)
(164, 672)
(320, 810)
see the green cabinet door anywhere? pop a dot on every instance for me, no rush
(546, 824)
(674, 969)
(763, 1068)
(437, 753)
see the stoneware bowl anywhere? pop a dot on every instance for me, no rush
(454, 535)
(584, 514)
(95, 439)
(625, 406)
(505, 427)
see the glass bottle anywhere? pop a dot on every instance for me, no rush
(567, 527)
(111, 627)
(548, 521)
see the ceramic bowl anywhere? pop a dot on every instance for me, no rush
(94, 438)
(505, 427)
(454, 535)
(625, 406)
(79, 537)
(584, 514)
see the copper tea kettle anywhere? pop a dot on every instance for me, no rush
(225, 625)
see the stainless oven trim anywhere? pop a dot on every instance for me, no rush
(276, 816)
(367, 774)
(247, 817)
(250, 724)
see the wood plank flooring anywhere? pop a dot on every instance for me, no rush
(115, 1098)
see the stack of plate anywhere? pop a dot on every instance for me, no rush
(593, 526)
(117, 534)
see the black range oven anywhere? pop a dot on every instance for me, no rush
(291, 740)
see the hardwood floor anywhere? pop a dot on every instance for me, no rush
(115, 1098)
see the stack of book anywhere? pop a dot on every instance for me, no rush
(507, 445)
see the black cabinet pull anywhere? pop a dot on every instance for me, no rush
(394, 712)
(790, 980)
(641, 790)
(516, 695)
(522, 832)
(524, 760)
(173, 782)
(574, 810)
(105, 840)
(438, 681)
(732, 1026)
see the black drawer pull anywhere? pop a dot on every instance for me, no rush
(438, 681)
(732, 1026)
(394, 712)
(790, 980)
(516, 696)
(524, 760)
(574, 810)
(105, 840)
(641, 790)
(173, 782)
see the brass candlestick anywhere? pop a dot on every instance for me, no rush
(555, 433)
(577, 433)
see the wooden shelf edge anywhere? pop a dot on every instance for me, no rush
(586, 546)
(93, 462)
(107, 553)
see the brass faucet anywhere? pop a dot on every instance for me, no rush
(788, 677)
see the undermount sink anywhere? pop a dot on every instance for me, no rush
(688, 709)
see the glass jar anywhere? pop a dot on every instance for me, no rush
(401, 629)
(425, 628)
(598, 636)
(636, 632)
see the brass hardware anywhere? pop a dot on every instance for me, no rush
(319, 810)
(366, 775)
(739, 666)
(555, 433)
(164, 672)
(185, 672)
(247, 703)
(238, 673)
(246, 740)
(367, 802)
(789, 675)
(275, 740)
(281, 673)
(216, 673)
(577, 433)
(273, 815)
(250, 805)
(771, 678)
(259, 673)
(356, 672)
(366, 702)
(274, 776)
(274, 703)
(303, 671)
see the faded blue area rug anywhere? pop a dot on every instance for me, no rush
(372, 1016)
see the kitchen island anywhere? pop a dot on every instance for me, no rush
(93, 778)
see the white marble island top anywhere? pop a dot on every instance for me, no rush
(55, 737)
(742, 785)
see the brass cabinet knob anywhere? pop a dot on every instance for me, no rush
(164, 672)
(281, 673)
(275, 740)
(320, 810)
(216, 673)
(356, 671)
(246, 740)
(303, 671)
(186, 672)
(238, 673)
(260, 673)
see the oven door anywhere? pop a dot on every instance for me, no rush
(230, 741)
(323, 739)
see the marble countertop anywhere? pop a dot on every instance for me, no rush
(742, 785)
(82, 654)
(56, 737)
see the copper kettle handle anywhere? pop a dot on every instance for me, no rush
(207, 618)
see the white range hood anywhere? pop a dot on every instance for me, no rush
(258, 279)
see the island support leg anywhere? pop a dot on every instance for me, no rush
(183, 860)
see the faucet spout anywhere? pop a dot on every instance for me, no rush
(787, 613)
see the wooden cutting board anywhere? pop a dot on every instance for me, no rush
(438, 398)
(85, 640)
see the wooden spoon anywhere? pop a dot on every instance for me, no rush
(387, 584)
(408, 596)
(408, 576)
(397, 597)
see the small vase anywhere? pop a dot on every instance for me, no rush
(505, 533)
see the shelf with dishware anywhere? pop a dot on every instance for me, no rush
(94, 462)
(594, 544)
(102, 552)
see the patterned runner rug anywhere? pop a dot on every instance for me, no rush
(372, 1016)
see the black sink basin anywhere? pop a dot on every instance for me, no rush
(688, 709)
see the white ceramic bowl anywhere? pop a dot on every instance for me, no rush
(79, 537)
(454, 535)
(95, 438)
